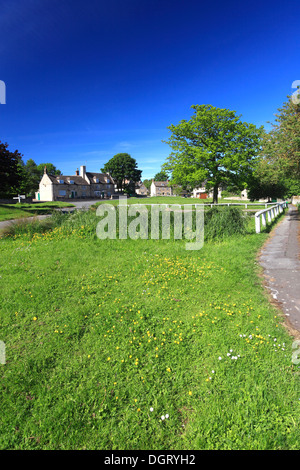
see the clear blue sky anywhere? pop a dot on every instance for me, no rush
(88, 79)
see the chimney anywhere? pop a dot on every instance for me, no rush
(83, 171)
(77, 172)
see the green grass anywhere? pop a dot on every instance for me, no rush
(97, 332)
(17, 211)
(182, 200)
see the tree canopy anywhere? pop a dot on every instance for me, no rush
(18, 177)
(10, 171)
(161, 176)
(123, 169)
(277, 172)
(214, 146)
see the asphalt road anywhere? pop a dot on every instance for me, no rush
(280, 259)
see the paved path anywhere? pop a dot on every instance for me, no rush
(280, 258)
(78, 205)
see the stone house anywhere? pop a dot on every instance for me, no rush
(160, 188)
(81, 185)
(141, 189)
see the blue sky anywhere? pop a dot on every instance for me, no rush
(88, 79)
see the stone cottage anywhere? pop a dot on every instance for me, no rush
(79, 186)
(160, 188)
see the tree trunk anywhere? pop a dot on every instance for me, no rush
(215, 194)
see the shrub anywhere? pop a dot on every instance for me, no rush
(222, 222)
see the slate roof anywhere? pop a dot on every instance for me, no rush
(79, 180)
(66, 179)
(101, 177)
(164, 184)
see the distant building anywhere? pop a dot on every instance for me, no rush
(160, 188)
(79, 186)
(141, 189)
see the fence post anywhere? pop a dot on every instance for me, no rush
(257, 223)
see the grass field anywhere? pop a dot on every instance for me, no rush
(17, 211)
(181, 200)
(141, 344)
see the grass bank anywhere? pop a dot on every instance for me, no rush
(22, 210)
(141, 344)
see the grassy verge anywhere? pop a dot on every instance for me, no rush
(184, 201)
(17, 211)
(140, 344)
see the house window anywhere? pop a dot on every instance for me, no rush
(61, 181)
(62, 192)
(71, 182)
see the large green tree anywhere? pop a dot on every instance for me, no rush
(11, 171)
(277, 171)
(123, 169)
(147, 183)
(18, 177)
(214, 146)
(32, 174)
(282, 144)
(161, 176)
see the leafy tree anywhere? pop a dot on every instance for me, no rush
(51, 169)
(11, 171)
(277, 171)
(267, 179)
(147, 183)
(213, 146)
(161, 176)
(32, 174)
(282, 144)
(123, 169)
